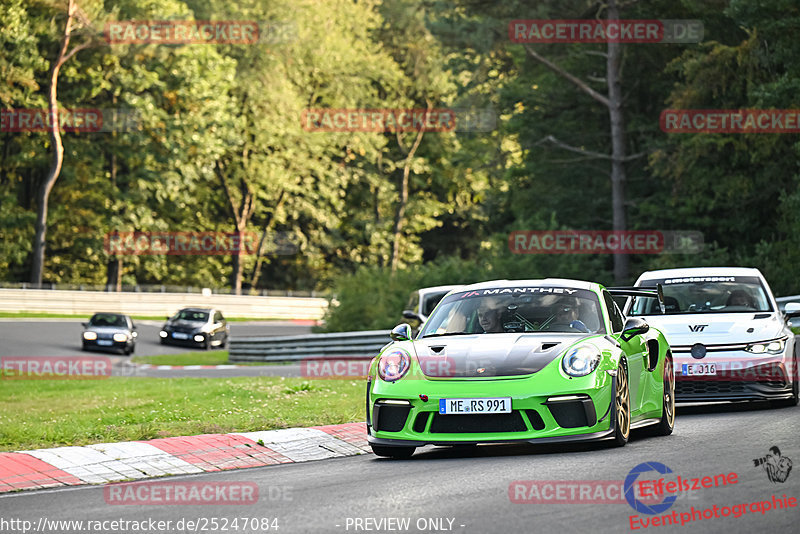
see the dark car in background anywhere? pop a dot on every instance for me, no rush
(196, 327)
(109, 331)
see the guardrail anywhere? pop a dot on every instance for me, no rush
(88, 302)
(340, 345)
(163, 288)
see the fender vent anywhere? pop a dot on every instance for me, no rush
(548, 346)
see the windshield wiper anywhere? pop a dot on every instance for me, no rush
(446, 334)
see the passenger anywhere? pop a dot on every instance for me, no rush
(739, 298)
(567, 316)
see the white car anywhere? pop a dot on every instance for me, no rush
(423, 301)
(729, 339)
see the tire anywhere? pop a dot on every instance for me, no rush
(163, 341)
(393, 452)
(667, 423)
(85, 347)
(622, 408)
(224, 342)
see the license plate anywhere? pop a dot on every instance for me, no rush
(180, 335)
(105, 342)
(699, 369)
(468, 406)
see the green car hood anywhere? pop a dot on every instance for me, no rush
(484, 355)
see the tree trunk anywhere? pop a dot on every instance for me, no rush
(114, 267)
(400, 213)
(621, 261)
(241, 215)
(57, 159)
(618, 157)
(256, 273)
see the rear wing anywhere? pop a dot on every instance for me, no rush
(640, 292)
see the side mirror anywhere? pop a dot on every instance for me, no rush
(411, 315)
(635, 326)
(168, 317)
(792, 310)
(401, 332)
(85, 324)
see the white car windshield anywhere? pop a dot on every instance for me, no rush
(517, 309)
(710, 294)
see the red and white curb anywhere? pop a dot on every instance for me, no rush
(135, 460)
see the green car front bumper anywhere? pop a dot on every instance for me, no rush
(546, 406)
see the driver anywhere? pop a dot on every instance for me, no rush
(489, 316)
(566, 314)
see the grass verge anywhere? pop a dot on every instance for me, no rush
(211, 357)
(54, 413)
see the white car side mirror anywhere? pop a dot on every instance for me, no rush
(792, 310)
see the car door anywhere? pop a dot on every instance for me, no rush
(218, 327)
(635, 351)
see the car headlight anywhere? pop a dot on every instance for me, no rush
(90, 336)
(163, 334)
(393, 365)
(580, 361)
(199, 338)
(767, 347)
(120, 338)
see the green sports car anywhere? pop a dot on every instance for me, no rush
(522, 360)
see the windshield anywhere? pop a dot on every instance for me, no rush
(107, 319)
(518, 309)
(190, 315)
(717, 294)
(430, 300)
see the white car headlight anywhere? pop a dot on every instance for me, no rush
(163, 334)
(580, 361)
(90, 336)
(120, 338)
(767, 347)
(198, 338)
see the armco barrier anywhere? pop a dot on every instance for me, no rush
(88, 302)
(339, 345)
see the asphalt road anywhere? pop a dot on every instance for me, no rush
(62, 337)
(470, 487)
